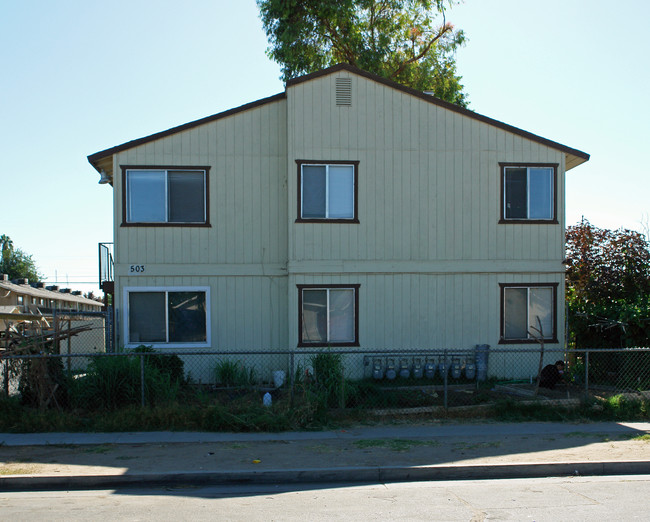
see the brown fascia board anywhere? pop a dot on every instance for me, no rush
(450, 106)
(94, 159)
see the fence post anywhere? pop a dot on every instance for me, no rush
(6, 378)
(342, 390)
(108, 329)
(587, 372)
(446, 373)
(55, 320)
(69, 362)
(292, 376)
(142, 379)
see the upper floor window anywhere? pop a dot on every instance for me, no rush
(169, 196)
(327, 191)
(529, 193)
(528, 312)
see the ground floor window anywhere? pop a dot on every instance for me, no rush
(527, 309)
(167, 316)
(328, 315)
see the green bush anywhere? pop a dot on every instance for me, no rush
(171, 365)
(115, 381)
(234, 374)
(43, 382)
(328, 374)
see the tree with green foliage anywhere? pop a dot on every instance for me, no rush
(607, 287)
(407, 41)
(16, 263)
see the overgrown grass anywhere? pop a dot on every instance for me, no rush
(616, 408)
(205, 412)
(108, 399)
(114, 382)
(329, 380)
(233, 373)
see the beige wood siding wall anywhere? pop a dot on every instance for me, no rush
(246, 313)
(429, 179)
(242, 255)
(428, 252)
(247, 156)
(434, 311)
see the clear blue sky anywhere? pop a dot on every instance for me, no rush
(80, 76)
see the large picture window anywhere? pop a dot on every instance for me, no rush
(167, 316)
(327, 191)
(528, 193)
(328, 315)
(527, 309)
(165, 196)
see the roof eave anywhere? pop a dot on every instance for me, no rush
(103, 160)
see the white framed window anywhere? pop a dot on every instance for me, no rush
(172, 196)
(528, 310)
(529, 193)
(327, 191)
(167, 316)
(328, 315)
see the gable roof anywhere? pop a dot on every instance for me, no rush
(102, 160)
(574, 156)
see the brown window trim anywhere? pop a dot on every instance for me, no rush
(355, 218)
(502, 217)
(305, 344)
(206, 169)
(547, 340)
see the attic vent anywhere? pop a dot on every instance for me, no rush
(344, 92)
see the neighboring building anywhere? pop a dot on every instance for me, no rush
(37, 298)
(27, 304)
(346, 211)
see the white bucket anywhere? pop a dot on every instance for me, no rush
(278, 378)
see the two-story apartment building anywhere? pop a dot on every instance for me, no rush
(346, 211)
(25, 298)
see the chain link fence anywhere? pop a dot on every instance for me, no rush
(37, 355)
(78, 372)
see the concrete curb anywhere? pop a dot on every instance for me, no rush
(325, 475)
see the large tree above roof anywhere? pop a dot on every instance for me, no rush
(407, 41)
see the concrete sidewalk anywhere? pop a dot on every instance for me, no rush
(377, 454)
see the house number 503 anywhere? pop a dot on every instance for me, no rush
(137, 269)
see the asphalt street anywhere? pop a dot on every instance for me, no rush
(577, 499)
